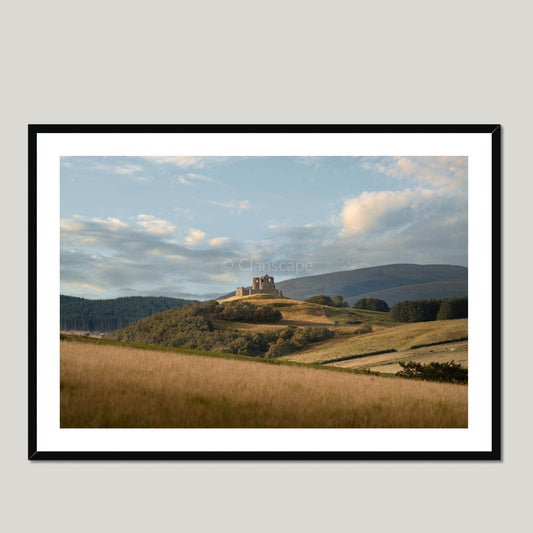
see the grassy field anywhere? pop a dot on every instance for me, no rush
(401, 337)
(105, 385)
(389, 362)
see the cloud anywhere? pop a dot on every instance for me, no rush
(155, 225)
(195, 236)
(86, 286)
(70, 225)
(315, 162)
(382, 210)
(192, 178)
(127, 169)
(433, 171)
(114, 224)
(110, 165)
(184, 212)
(236, 207)
(225, 277)
(165, 254)
(181, 161)
(218, 241)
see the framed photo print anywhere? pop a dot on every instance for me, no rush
(264, 292)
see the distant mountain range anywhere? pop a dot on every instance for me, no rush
(392, 283)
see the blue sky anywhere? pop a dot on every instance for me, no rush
(197, 227)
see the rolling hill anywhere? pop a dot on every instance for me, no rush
(392, 283)
(418, 291)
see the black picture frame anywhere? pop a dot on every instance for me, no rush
(495, 453)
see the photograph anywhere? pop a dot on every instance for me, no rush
(286, 288)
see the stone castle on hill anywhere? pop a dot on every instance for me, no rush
(262, 285)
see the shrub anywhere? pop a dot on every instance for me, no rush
(365, 328)
(449, 371)
(321, 299)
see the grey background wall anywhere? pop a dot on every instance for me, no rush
(266, 62)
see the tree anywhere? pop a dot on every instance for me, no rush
(321, 299)
(453, 308)
(338, 301)
(415, 310)
(372, 304)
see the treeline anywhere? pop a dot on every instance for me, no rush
(322, 299)
(429, 310)
(199, 326)
(107, 315)
(372, 304)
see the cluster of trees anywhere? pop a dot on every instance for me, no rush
(322, 299)
(108, 315)
(372, 304)
(449, 371)
(429, 310)
(453, 308)
(293, 340)
(247, 312)
(195, 326)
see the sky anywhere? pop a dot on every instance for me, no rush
(198, 227)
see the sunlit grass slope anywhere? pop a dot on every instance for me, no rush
(401, 337)
(115, 386)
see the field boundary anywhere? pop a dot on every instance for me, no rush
(349, 357)
(415, 346)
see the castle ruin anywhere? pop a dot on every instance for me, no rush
(261, 285)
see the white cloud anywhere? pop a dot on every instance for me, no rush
(113, 224)
(195, 236)
(218, 241)
(382, 210)
(163, 253)
(437, 171)
(70, 225)
(181, 161)
(191, 178)
(236, 207)
(86, 286)
(127, 169)
(155, 225)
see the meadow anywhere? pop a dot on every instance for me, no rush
(106, 385)
(400, 337)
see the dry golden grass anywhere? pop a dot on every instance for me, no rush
(400, 337)
(305, 316)
(294, 312)
(261, 300)
(110, 386)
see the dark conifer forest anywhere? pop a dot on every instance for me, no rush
(107, 315)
